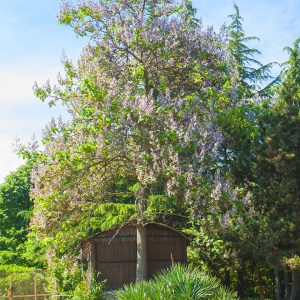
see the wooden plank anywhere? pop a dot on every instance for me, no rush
(162, 250)
(116, 250)
(155, 230)
(118, 274)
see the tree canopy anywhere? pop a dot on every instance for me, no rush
(15, 213)
(143, 99)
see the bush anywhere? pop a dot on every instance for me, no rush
(82, 291)
(177, 283)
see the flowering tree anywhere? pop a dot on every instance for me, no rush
(143, 100)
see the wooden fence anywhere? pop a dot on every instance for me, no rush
(25, 285)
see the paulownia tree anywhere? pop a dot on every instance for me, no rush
(142, 101)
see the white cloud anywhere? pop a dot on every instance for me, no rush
(21, 113)
(8, 159)
(15, 88)
(31, 46)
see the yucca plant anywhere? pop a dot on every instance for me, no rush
(138, 292)
(181, 282)
(177, 283)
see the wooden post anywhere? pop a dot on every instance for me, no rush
(141, 236)
(10, 291)
(277, 285)
(172, 260)
(91, 263)
(287, 287)
(34, 285)
(241, 271)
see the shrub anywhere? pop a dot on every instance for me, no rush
(177, 283)
(83, 292)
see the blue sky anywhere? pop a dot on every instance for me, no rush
(32, 43)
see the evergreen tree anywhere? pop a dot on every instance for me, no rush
(250, 72)
(231, 219)
(283, 154)
(273, 174)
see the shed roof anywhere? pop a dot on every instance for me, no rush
(116, 229)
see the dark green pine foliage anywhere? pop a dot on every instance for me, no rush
(251, 73)
(276, 168)
(15, 212)
(290, 87)
(251, 79)
(275, 175)
(283, 151)
(262, 144)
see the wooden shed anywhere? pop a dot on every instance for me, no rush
(112, 254)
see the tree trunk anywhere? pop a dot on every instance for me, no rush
(295, 294)
(287, 287)
(241, 280)
(141, 236)
(227, 278)
(91, 264)
(277, 285)
(141, 254)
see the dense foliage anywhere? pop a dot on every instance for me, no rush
(15, 213)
